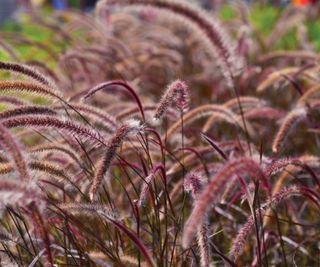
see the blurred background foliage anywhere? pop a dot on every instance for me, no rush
(263, 17)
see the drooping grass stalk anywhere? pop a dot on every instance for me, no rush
(214, 190)
(264, 113)
(29, 87)
(280, 54)
(49, 168)
(278, 75)
(206, 110)
(51, 122)
(107, 85)
(44, 68)
(56, 147)
(8, 142)
(93, 209)
(36, 89)
(26, 110)
(193, 184)
(312, 91)
(276, 199)
(87, 209)
(247, 103)
(290, 122)
(27, 71)
(95, 114)
(111, 149)
(14, 101)
(42, 229)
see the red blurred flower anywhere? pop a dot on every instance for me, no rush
(304, 2)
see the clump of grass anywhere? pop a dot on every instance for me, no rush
(89, 178)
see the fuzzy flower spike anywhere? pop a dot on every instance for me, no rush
(177, 95)
(130, 127)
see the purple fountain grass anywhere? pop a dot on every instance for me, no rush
(177, 94)
(101, 258)
(222, 45)
(289, 124)
(215, 189)
(138, 242)
(44, 167)
(220, 111)
(70, 212)
(7, 237)
(44, 68)
(193, 183)
(12, 101)
(264, 113)
(88, 209)
(9, 143)
(56, 147)
(42, 230)
(110, 217)
(95, 114)
(26, 110)
(18, 193)
(50, 169)
(27, 71)
(280, 164)
(50, 122)
(33, 88)
(189, 159)
(107, 85)
(29, 87)
(247, 103)
(146, 183)
(275, 200)
(302, 162)
(112, 146)
(144, 189)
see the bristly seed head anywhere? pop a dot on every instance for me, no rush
(289, 123)
(176, 94)
(193, 184)
(130, 127)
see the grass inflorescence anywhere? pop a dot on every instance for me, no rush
(153, 134)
